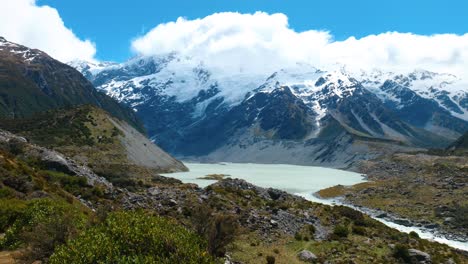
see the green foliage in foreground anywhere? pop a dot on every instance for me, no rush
(134, 237)
(41, 220)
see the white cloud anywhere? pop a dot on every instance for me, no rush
(41, 27)
(262, 42)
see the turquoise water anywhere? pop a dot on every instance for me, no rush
(301, 180)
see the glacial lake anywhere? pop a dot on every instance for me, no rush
(300, 180)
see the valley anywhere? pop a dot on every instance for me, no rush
(83, 180)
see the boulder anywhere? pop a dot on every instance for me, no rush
(421, 257)
(307, 256)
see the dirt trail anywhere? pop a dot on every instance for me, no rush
(6, 257)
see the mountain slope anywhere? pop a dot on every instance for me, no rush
(460, 145)
(31, 82)
(89, 135)
(209, 114)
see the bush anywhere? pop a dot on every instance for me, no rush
(401, 252)
(311, 229)
(16, 146)
(413, 234)
(461, 216)
(270, 260)
(341, 231)
(298, 236)
(20, 183)
(219, 229)
(10, 210)
(43, 225)
(134, 237)
(356, 216)
(359, 230)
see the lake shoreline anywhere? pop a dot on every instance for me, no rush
(296, 183)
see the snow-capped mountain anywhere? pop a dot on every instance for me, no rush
(25, 53)
(298, 114)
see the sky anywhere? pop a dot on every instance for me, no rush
(113, 24)
(251, 35)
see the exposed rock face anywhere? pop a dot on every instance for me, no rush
(141, 151)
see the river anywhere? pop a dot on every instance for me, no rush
(300, 180)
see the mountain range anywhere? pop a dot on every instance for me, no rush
(299, 114)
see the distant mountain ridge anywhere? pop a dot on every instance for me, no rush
(299, 115)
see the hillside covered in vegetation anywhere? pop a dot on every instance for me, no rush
(57, 211)
(90, 136)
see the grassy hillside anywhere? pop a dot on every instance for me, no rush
(91, 136)
(428, 190)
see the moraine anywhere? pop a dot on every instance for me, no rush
(304, 181)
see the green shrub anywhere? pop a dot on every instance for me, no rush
(341, 231)
(413, 234)
(6, 193)
(218, 229)
(10, 210)
(41, 214)
(311, 229)
(401, 252)
(298, 236)
(359, 230)
(134, 237)
(355, 216)
(270, 260)
(461, 216)
(16, 146)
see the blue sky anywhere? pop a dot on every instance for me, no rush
(112, 25)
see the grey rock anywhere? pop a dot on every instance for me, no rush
(381, 215)
(404, 222)
(420, 256)
(307, 256)
(431, 226)
(172, 202)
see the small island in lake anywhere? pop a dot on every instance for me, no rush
(216, 177)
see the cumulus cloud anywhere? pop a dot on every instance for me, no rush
(41, 27)
(262, 42)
